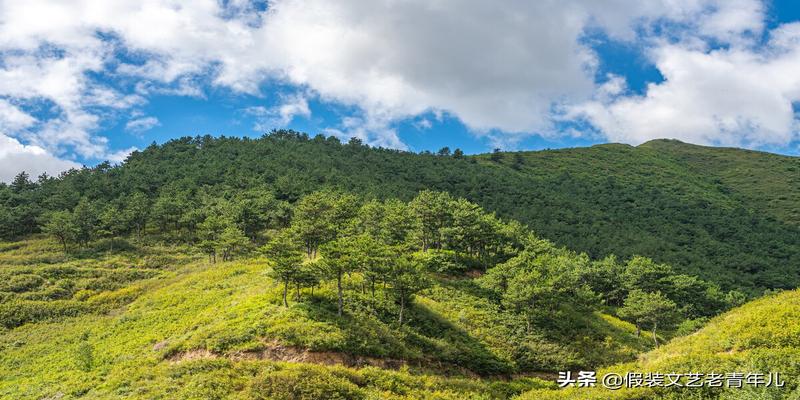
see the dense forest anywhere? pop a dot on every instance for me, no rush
(729, 216)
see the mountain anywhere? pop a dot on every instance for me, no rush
(290, 267)
(768, 183)
(727, 215)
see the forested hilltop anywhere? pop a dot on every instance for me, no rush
(729, 216)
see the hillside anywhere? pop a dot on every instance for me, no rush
(726, 215)
(430, 292)
(184, 328)
(211, 268)
(768, 183)
(762, 336)
(219, 331)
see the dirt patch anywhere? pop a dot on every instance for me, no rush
(474, 273)
(274, 351)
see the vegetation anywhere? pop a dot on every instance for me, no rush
(384, 290)
(762, 336)
(157, 275)
(725, 215)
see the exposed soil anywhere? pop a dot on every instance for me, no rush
(274, 351)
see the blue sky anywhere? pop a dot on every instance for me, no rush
(86, 81)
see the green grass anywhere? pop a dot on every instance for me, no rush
(760, 336)
(191, 329)
(137, 338)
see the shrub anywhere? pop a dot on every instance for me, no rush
(440, 261)
(23, 283)
(17, 312)
(304, 383)
(84, 355)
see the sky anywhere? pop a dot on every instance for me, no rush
(86, 81)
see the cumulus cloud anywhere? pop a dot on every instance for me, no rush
(504, 69)
(12, 118)
(16, 157)
(140, 125)
(731, 96)
(280, 115)
(120, 155)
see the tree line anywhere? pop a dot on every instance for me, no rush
(396, 248)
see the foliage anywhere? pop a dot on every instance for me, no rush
(725, 215)
(649, 309)
(762, 336)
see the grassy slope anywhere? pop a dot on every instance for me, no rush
(760, 336)
(232, 313)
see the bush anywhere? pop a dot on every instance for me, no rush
(304, 383)
(440, 261)
(18, 312)
(158, 261)
(690, 326)
(23, 283)
(84, 355)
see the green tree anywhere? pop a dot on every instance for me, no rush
(84, 218)
(309, 274)
(138, 207)
(431, 209)
(497, 155)
(538, 286)
(519, 161)
(169, 207)
(209, 232)
(648, 309)
(319, 216)
(61, 226)
(398, 222)
(605, 278)
(286, 256)
(373, 258)
(113, 222)
(644, 274)
(340, 257)
(232, 241)
(255, 210)
(408, 278)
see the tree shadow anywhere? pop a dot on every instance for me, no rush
(427, 338)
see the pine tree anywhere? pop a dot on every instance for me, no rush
(653, 309)
(61, 226)
(286, 256)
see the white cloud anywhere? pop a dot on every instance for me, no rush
(16, 157)
(120, 155)
(281, 114)
(501, 68)
(423, 124)
(734, 97)
(140, 125)
(12, 118)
